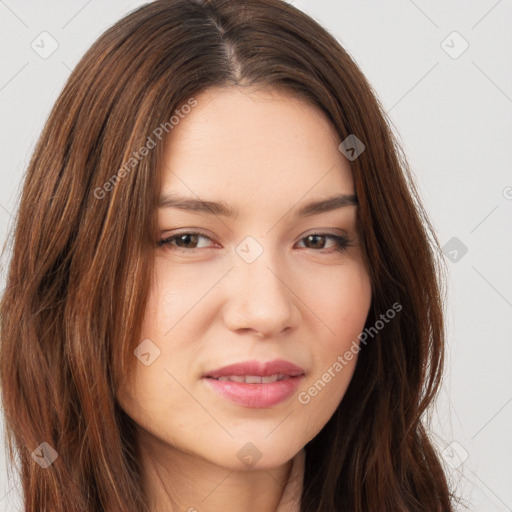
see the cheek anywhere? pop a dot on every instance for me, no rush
(174, 293)
(156, 402)
(164, 304)
(342, 304)
(341, 300)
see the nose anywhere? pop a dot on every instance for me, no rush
(261, 298)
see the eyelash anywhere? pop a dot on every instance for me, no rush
(342, 241)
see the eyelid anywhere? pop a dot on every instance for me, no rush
(325, 231)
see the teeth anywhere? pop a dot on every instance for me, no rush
(251, 379)
(236, 378)
(254, 379)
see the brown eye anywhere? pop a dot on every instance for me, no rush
(185, 241)
(316, 241)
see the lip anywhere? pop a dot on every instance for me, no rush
(256, 395)
(257, 368)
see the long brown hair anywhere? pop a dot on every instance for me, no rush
(82, 252)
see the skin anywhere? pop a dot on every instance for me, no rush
(266, 153)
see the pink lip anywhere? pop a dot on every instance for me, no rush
(257, 368)
(256, 395)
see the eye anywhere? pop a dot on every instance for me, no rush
(183, 240)
(341, 242)
(189, 240)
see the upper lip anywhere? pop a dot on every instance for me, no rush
(257, 368)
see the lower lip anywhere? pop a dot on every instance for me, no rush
(256, 395)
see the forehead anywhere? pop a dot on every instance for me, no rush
(260, 146)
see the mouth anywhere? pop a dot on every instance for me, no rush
(253, 379)
(278, 369)
(255, 384)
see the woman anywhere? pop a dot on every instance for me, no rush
(224, 293)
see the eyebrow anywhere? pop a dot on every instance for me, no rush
(221, 208)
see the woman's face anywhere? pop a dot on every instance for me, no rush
(266, 284)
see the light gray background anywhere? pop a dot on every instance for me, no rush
(453, 116)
